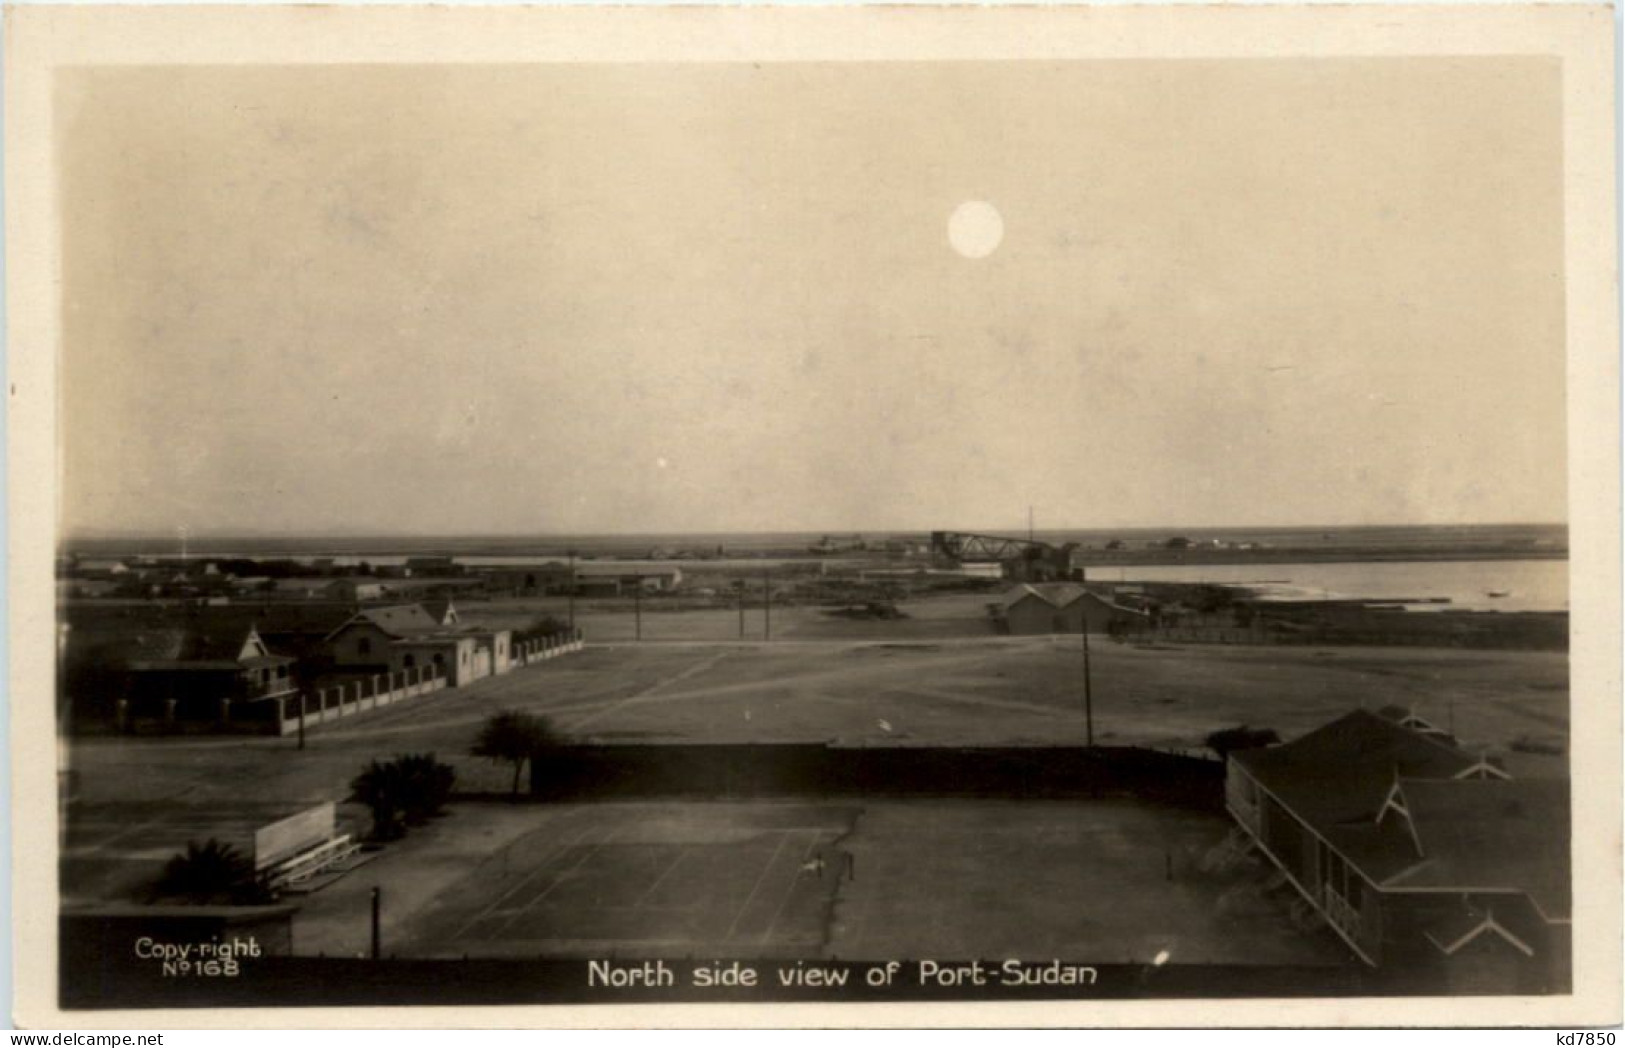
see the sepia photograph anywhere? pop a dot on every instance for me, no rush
(715, 511)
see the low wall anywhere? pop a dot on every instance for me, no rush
(526, 652)
(346, 700)
(576, 772)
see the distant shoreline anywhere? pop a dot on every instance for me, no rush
(1139, 546)
(1155, 558)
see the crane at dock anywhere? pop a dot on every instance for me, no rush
(1026, 560)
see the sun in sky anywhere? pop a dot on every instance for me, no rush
(975, 229)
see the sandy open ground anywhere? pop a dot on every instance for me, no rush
(139, 799)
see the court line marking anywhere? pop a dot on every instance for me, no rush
(541, 867)
(682, 852)
(532, 904)
(795, 882)
(651, 690)
(740, 913)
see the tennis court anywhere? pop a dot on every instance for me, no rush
(649, 880)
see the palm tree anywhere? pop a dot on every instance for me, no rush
(515, 737)
(213, 873)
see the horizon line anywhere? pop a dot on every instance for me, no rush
(83, 534)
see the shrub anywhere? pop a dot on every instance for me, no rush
(425, 785)
(407, 791)
(1228, 740)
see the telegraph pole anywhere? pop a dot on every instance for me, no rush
(767, 603)
(377, 938)
(301, 720)
(570, 588)
(741, 592)
(1088, 693)
(637, 610)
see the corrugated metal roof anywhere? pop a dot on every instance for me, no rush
(1463, 834)
(1343, 770)
(1492, 834)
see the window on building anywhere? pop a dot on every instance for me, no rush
(363, 646)
(409, 661)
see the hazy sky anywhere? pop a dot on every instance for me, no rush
(693, 297)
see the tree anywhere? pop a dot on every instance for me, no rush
(213, 873)
(381, 787)
(514, 737)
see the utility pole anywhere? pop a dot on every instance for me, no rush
(1088, 693)
(741, 592)
(570, 588)
(767, 603)
(301, 720)
(637, 610)
(1029, 525)
(377, 938)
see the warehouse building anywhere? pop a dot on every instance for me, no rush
(1065, 608)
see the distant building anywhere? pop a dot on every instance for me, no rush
(453, 656)
(362, 643)
(203, 665)
(1422, 857)
(98, 567)
(389, 638)
(300, 628)
(307, 587)
(551, 577)
(357, 588)
(1066, 608)
(443, 612)
(417, 567)
(617, 579)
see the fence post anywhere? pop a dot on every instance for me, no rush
(225, 711)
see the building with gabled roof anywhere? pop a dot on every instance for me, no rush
(442, 610)
(361, 643)
(389, 638)
(1065, 607)
(1421, 856)
(203, 662)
